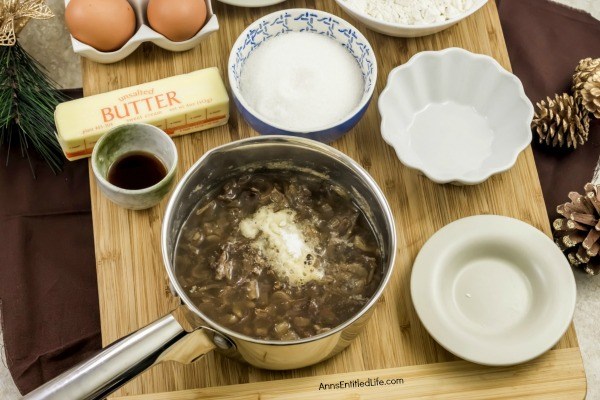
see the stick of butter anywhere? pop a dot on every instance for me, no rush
(177, 105)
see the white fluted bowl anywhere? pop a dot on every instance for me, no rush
(455, 116)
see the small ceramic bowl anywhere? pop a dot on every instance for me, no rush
(144, 33)
(310, 22)
(404, 30)
(134, 138)
(455, 116)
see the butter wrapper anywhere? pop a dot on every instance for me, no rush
(177, 105)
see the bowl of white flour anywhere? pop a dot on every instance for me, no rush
(302, 72)
(410, 18)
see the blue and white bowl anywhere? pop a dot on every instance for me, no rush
(309, 21)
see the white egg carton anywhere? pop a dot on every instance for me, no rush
(144, 33)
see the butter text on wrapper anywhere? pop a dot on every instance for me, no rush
(147, 104)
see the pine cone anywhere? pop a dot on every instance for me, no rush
(590, 94)
(562, 121)
(584, 70)
(578, 232)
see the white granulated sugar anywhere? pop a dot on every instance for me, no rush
(302, 81)
(412, 12)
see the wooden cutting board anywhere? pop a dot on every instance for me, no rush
(133, 285)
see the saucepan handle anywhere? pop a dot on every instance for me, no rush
(115, 365)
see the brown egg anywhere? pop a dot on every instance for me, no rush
(177, 20)
(106, 25)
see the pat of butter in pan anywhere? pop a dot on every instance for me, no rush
(177, 105)
(283, 242)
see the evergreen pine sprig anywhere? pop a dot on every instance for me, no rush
(28, 98)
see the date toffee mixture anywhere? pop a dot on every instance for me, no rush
(278, 256)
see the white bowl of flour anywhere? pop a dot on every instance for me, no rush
(410, 18)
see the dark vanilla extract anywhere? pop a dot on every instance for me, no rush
(136, 170)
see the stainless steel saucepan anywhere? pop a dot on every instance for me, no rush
(187, 334)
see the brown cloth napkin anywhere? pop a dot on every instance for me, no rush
(48, 290)
(545, 42)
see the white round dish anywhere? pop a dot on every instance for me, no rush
(404, 30)
(455, 116)
(252, 3)
(493, 290)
